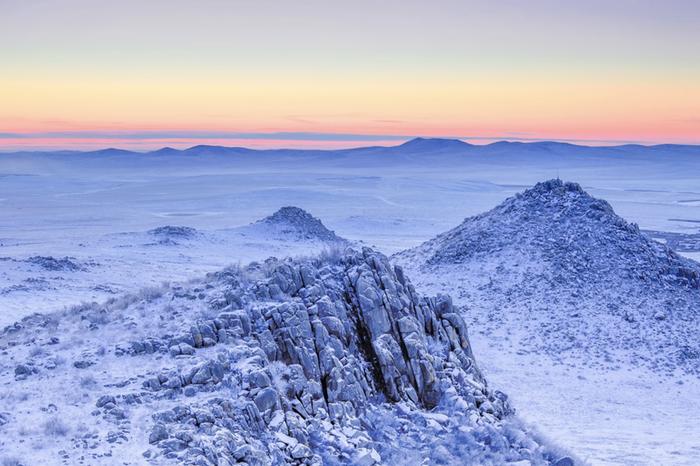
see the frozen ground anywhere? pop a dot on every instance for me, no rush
(622, 417)
(97, 209)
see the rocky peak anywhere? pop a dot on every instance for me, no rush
(554, 186)
(364, 311)
(291, 214)
(558, 195)
(300, 223)
(560, 224)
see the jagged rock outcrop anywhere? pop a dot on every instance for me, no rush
(335, 340)
(323, 361)
(587, 282)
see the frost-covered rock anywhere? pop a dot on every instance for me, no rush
(64, 264)
(170, 231)
(320, 361)
(158, 433)
(266, 399)
(22, 371)
(181, 349)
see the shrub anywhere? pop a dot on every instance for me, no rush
(87, 381)
(37, 351)
(55, 427)
(11, 461)
(279, 376)
(333, 254)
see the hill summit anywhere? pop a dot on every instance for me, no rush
(577, 234)
(433, 144)
(298, 223)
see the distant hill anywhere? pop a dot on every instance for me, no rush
(415, 145)
(433, 144)
(295, 223)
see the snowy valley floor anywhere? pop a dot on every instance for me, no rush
(626, 416)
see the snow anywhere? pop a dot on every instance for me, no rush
(305, 352)
(97, 211)
(621, 417)
(565, 301)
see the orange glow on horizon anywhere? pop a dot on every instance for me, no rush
(421, 71)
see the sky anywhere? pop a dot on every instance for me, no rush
(85, 74)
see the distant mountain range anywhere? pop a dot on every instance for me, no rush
(416, 145)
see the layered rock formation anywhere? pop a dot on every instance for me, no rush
(335, 360)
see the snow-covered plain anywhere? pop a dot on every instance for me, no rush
(97, 210)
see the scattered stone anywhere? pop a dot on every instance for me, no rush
(65, 264)
(23, 370)
(158, 433)
(266, 399)
(83, 363)
(169, 231)
(181, 349)
(565, 461)
(104, 399)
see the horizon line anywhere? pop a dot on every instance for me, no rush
(263, 149)
(182, 139)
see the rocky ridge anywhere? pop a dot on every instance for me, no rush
(335, 360)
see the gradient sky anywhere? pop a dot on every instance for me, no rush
(145, 74)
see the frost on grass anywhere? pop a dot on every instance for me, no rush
(11, 461)
(331, 360)
(55, 427)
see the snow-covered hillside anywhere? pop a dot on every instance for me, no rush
(590, 324)
(293, 223)
(93, 226)
(334, 360)
(576, 278)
